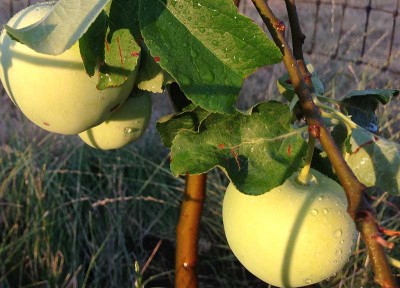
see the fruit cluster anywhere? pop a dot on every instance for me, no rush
(55, 92)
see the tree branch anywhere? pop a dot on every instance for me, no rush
(358, 207)
(187, 231)
(298, 38)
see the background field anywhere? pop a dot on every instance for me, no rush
(72, 216)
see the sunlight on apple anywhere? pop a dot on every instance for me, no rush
(293, 235)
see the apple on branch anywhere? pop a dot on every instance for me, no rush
(55, 92)
(294, 235)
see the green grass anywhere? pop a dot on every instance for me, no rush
(73, 216)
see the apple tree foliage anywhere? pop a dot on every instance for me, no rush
(208, 49)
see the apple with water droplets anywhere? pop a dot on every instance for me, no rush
(294, 235)
(125, 125)
(54, 92)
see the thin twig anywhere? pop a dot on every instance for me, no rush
(298, 38)
(358, 207)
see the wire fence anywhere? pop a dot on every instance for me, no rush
(364, 32)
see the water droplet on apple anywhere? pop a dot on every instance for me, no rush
(130, 130)
(337, 233)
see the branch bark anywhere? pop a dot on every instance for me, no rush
(187, 231)
(358, 207)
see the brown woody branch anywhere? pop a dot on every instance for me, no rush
(187, 231)
(298, 38)
(358, 208)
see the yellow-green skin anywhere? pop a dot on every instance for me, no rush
(54, 92)
(124, 126)
(293, 235)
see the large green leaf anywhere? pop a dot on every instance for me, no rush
(257, 151)
(379, 95)
(206, 46)
(374, 160)
(61, 28)
(361, 105)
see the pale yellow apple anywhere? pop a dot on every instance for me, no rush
(124, 126)
(54, 92)
(293, 235)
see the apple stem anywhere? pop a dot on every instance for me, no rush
(304, 175)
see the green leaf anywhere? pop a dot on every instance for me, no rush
(121, 48)
(379, 95)
(62, 26)
(151, 76)
(91, 44)
(374, 160)
(257, 151)
(206, 46)
(361, 105)
(121, 58)
(169, 126)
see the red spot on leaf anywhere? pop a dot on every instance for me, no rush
(46, 123)
(289, 150)
(363, 145)
(121, 57)
(157, 59)
(221, 146)
(135, 54)
(236, 156)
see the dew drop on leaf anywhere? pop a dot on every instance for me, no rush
(208, 76)
(194, 53)
(314, 212)
(184, 80)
